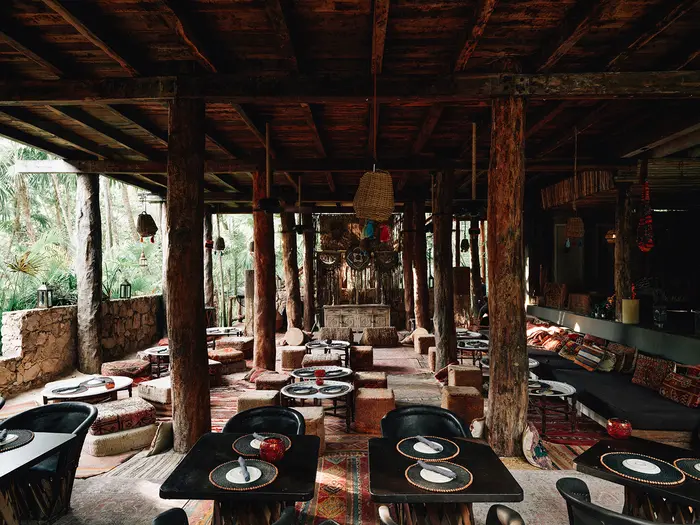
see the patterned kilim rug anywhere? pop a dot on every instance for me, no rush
(563, 456)
(587, 432)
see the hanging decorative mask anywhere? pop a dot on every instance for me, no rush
(357, 258)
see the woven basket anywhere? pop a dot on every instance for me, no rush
(146, 226)
(574, 228)
(374, 199)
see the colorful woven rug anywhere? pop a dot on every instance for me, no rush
(563, 456)
(587, 432)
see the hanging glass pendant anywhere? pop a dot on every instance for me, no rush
(143, 262)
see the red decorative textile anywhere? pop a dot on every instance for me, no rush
(129, 368)
(645, 231)
(651, 371)
(688, 370)
(569, 350)
(681, 389)
(592, 339)
(626, 357)
(123, 414)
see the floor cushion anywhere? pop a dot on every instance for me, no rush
(242, 344)
(681, 389)
(158, 390)
(384, 336)
(123, 414)
(119, 442)
(336, 334)
(651, 371)
(132, 368)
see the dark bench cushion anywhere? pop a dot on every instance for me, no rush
(550, 361)
(614, 395)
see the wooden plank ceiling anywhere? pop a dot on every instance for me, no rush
(328, 146)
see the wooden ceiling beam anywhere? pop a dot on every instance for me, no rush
(13, 37)
(278, 19)
(544, 119)
(331, 181)
(427, 128)
(591, 119)
(100, 41)
(230, 181)
(580, 19)
(40, 143)
(252, 126)
(379, 25)
(223, 144)
(482, 15)
(134, 115)
(663, 132)
(688, 139)
(190, 36)
(651, 26)
(311, 121)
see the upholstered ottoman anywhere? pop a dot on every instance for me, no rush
(315, 423)
(215, 373)
(232, 361)
(361, 358)
(119, 442)
(464, 375)
(383, 337)
(421, 343)
(465, 401)
(432, 358)
(132, 368)
(257, 398)
(158, 392)
(317, 359)
(292, 356)
(123, 414)
(371, 405)
(337, 334)
(370, 380)
(242, 344)
(272, 381)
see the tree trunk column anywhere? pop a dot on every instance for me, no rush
(407, 260)
(445, 331)
(477, 283)
(309, 300)
(208, 264)
(88, 270)
(264, 267)
(291, 270)
(248, 327)
(508, 366)
(189, 369)
(421, 295)
(623, 249)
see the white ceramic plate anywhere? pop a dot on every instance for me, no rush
(235, 475)
(433, 477)
(422, 448)
(255, 444)
(9, 439)
(697, 466)
(642, 466)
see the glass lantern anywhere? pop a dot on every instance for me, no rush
(125, 290)
(44, 296)
(143, 262)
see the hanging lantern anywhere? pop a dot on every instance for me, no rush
(431, 281)
(44, 296)
(142, 260)
(251, 247)
(208, 244)
(146, 226)
(374, 199)
(611, 236)
(219, 245)
(464, 245)
(125, 290)
(574, 228)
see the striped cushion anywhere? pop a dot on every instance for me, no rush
(589, 357)
(569, 350)
(681, 389)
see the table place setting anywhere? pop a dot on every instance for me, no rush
(442, 476)
(330, 372)
(689, 466)
(642, 468)
(428, 449)
(463, 333)
(301, 389)
(15, 438)
(243, 474)
(256, 443)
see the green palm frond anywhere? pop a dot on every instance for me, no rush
(27, 263)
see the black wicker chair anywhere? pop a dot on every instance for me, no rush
(422, 420)
(282, 420)
(175, 516)
(498, 515)
(2, 401)
(44, 492)
(583, 512)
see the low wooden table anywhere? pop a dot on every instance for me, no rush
(542, 403)
(388, 484)
(288, 399)
(157, 356)
(658, 503)
(296, 480)
(120, 383)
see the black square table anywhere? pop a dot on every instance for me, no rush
(296, 480)
(492, 480)
(644, 500)
(15, 462)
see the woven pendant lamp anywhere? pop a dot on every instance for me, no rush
(146, 226)
(374, 199)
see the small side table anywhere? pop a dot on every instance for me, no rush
(157, 356)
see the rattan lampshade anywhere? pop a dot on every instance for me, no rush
(574, 228)
(374, 199)
(611, 236)
(146, 226)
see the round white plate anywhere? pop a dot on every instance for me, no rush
(640, 465)
(433, 477)
(235, 475)
(255, 444)
(9, 439)
(422, 448)
(697, 467)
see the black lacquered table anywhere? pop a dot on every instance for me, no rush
(296, 478)
(659, 503)
(492, 482)
(15, 463)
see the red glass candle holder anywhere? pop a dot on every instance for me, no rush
(320, 373)
(272, 450)
(619, 428)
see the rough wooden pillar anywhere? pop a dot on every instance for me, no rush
(189, 369)
(477, 284)
(458, 260)
(291, 270)
(407, 260)
(623, 249)
(249, 325)
(264, 266)
(421, 295)
(482, 251)
(444, 316)
(309, 239)
(88, 270)
(165, 248)
(208, 265)
(509, 373)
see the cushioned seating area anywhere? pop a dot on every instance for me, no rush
(119, 442)
(122, 414)
(271, 381)
(371, 405)
(257, 398)
(550, 361)
(132, 368)
(361, 357)
(370, 380)
(242, 344)
(156, 390)
(464, 401)
(421, 343)
(314, 422)
(614, 395)
(337, 334)
(384, 336)
(292, 356)
(317, 359)
(231, 360)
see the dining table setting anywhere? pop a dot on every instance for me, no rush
(429, 478)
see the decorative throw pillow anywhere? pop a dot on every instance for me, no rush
(688, 370)
(592, 339)
(554, 343)
(163, 440)
(681, 389)
(626, 357)
(589, 356)
(569, 350)
(607, 364)
(534, 450)
(651, 371)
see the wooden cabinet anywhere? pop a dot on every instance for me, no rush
(357, 317)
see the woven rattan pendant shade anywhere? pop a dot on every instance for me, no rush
(574, 228)
(374, 199)
(146, 226)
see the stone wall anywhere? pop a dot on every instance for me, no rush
(37, 346)
(40, 345)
